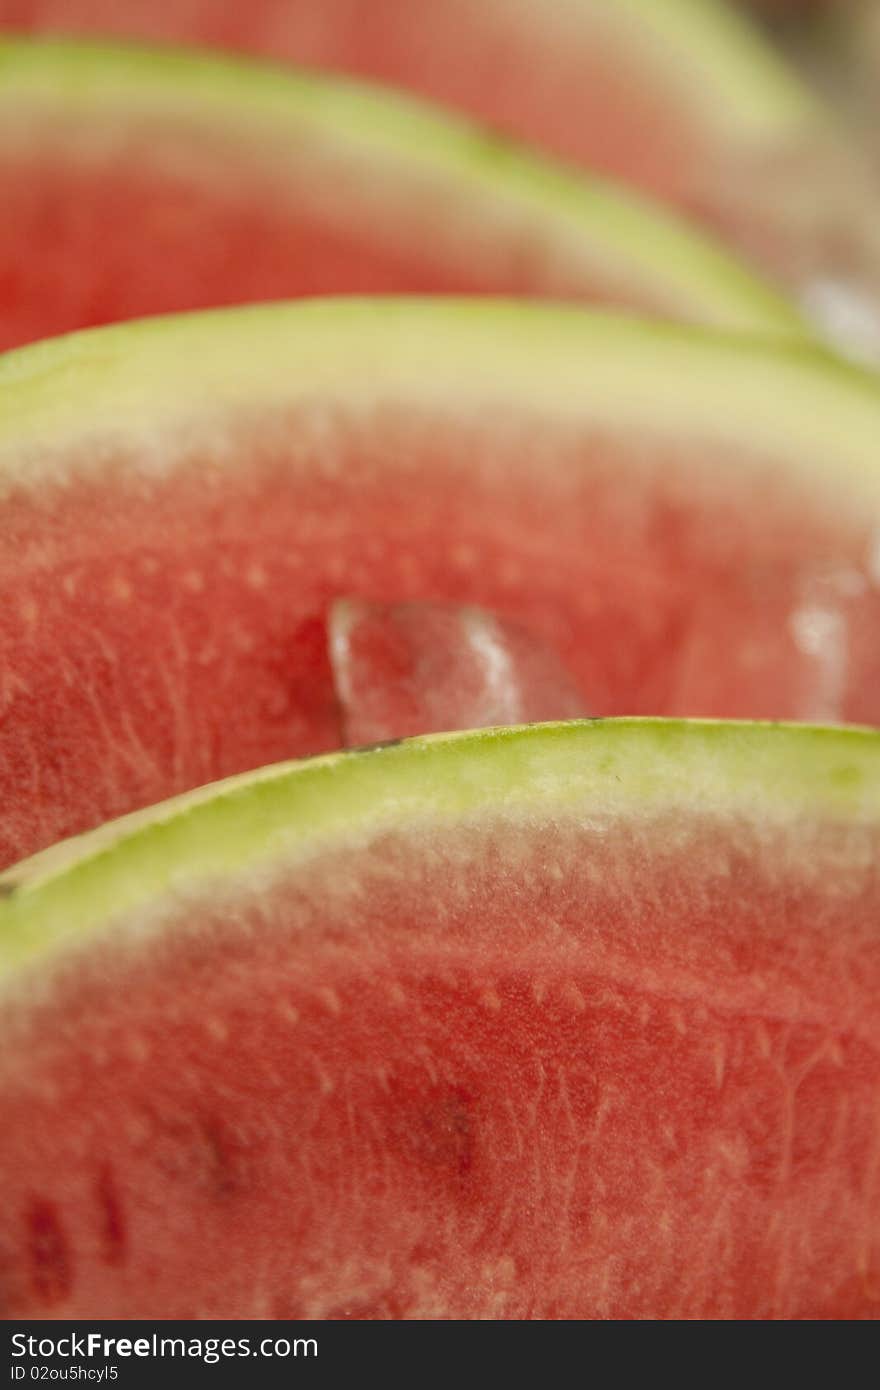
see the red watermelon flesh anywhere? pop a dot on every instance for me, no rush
(184, 500)
(528, 69)
(418, 668)
(145, 182)
(555, 1055)
(89, 247)
(560, 74)
(679, 97)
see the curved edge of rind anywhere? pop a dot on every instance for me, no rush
(136, 381)
(722, 58)
(773, 773)
(667, 256)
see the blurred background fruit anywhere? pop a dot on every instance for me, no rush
(681, 97)
(146, 181)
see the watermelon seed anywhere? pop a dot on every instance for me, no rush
(51, 1276)
(112, 1225)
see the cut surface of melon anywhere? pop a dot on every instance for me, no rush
(568, 1021)
(683, 98)
(689, 524)
(147, 182)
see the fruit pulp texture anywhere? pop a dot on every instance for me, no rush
(557, 1068)
(216, 224)
(795, 199)
(527, 69)
(165, 627)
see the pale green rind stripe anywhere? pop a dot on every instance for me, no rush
(608, 230)
(140, 382)
(719, 60)
(768, 774)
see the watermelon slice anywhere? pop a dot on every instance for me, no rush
(143, 182)
(420, 668)
(690, 524)
(680, 97)
(572, 1021)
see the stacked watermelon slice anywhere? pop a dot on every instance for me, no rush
(572, 1013)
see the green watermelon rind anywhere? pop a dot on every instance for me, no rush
(765, 774)
(722, 64)
(265, 109)
(140, 381)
